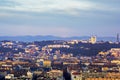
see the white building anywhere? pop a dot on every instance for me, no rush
(29, 74)
(9, 76)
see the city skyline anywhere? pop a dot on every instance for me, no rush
(63, 18)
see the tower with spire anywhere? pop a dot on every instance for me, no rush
(117, 37)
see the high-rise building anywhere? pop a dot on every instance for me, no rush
(118, 38)
(93, 39)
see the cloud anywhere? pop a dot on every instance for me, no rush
(45, 5)
(51, 6)
(32, 17)
(68, 7)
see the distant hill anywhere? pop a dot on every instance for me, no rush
(49, 37)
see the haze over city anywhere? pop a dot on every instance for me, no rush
(59, 17)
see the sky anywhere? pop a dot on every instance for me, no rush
(63, 18)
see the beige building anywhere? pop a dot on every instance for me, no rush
(93, 39)
(55, 73)
(76, 75)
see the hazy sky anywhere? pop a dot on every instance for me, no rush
(59, 17)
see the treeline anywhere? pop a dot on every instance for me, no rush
(87, 49)
(11, 50)
(83, 49)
